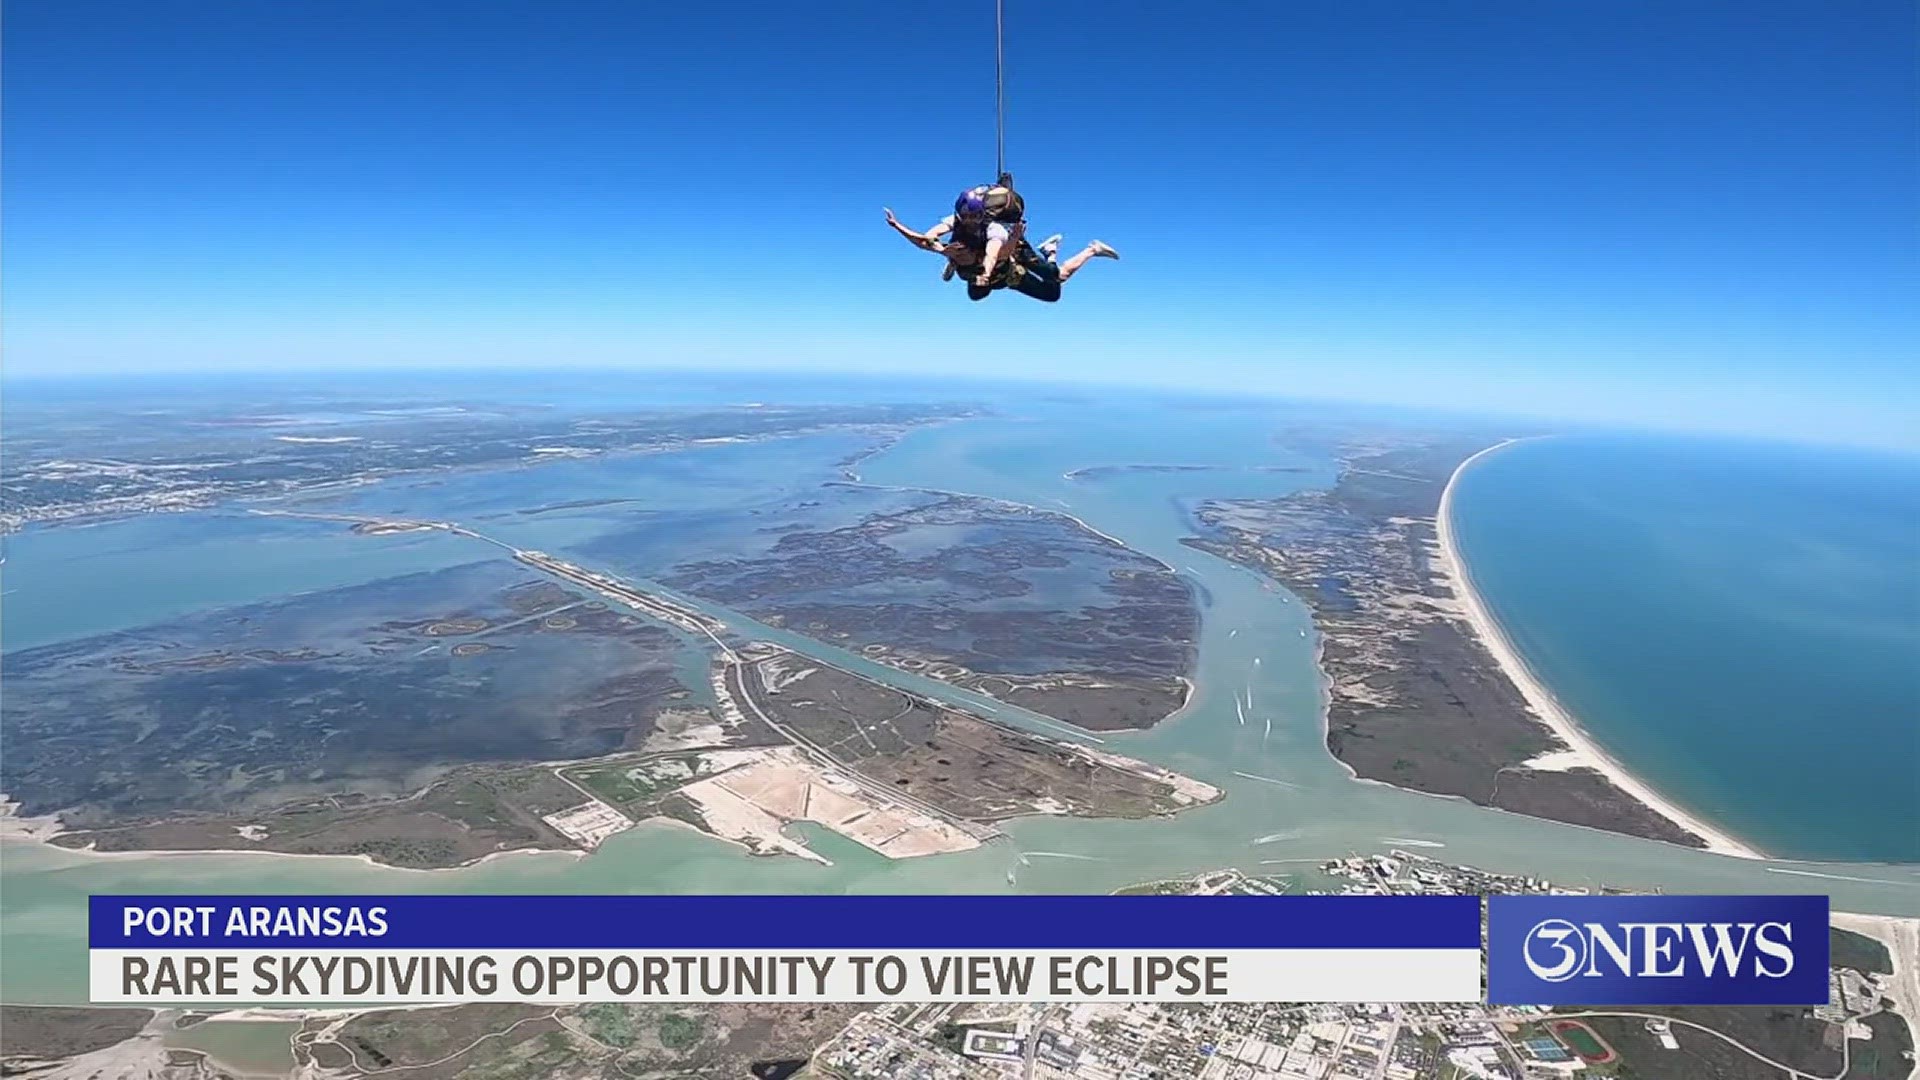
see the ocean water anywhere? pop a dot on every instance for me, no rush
(1738, 623)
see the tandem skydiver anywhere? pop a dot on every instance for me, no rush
(985, 222)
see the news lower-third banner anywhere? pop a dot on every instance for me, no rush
(368, 950)
(390, 950)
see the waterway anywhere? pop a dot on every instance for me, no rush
(251, 1048)
(1287, 798)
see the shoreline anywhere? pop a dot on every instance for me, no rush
(40, 832)
(1583, 751)
(268, 853)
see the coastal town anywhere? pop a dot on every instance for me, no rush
(1863, 1034)
(194, 458)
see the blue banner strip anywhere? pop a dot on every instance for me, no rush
(788, 922)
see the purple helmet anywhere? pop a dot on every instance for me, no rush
(972, 203)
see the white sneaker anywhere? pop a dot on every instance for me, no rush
(1103, 251)
(1050, 247)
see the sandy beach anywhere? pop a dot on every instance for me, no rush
(1581, 750)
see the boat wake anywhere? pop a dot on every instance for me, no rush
(1843, 877)
(1267, 779)
(1276, 837)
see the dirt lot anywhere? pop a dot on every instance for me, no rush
(784, 785)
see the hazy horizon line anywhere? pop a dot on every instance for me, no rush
(1562, 424)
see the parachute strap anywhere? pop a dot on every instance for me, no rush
(1000, 91)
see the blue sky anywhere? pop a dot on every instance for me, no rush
(1673, 212)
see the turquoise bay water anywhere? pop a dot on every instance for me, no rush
(1737, 623)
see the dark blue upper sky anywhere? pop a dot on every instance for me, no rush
(1674, 211)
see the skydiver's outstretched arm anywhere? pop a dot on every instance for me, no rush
(940, 229)
(923, 241)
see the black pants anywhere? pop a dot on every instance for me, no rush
(1038, 278)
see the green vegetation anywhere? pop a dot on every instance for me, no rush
(407, 852)
(516, 782)
(469, 802)
(679, 809)
(1885, 1056)
(1859, 952)
(635, 785)
(535, 790)
(677, 1032)
(618, 784)
(609, 1023)
(533, 1059)
(549, 1054)
(1791, 1036)
(1530, 1030)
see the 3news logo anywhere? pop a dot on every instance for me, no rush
(1657, 950)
